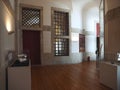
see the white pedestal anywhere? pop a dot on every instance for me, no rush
(110, 75)
(19, 78)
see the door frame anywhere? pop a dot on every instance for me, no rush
(19, 28)
(41, 44)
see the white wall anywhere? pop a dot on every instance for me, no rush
(12, 2)
(90, 18)
(63, 4)
(47, 4)
(76, 21)
(76, 26)
(6, 41)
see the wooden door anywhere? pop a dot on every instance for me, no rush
(31, 44)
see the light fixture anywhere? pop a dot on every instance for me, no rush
(9, 24)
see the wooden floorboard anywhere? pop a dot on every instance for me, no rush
(83, 76)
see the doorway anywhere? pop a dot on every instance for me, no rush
(31, 45)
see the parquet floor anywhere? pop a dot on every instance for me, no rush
(83, 76)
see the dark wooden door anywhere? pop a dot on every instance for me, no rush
(31, 44)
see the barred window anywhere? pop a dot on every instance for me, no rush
(61, 47)
(60, 23)
(31, 17)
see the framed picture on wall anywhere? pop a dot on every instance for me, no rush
(81, 43)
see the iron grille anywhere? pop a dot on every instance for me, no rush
(61, 47)
(61, 23)
(31, 17)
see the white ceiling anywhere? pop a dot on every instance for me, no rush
(80, 3)
(86, 1)
(77, 1)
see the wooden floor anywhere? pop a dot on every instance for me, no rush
(82, 76)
